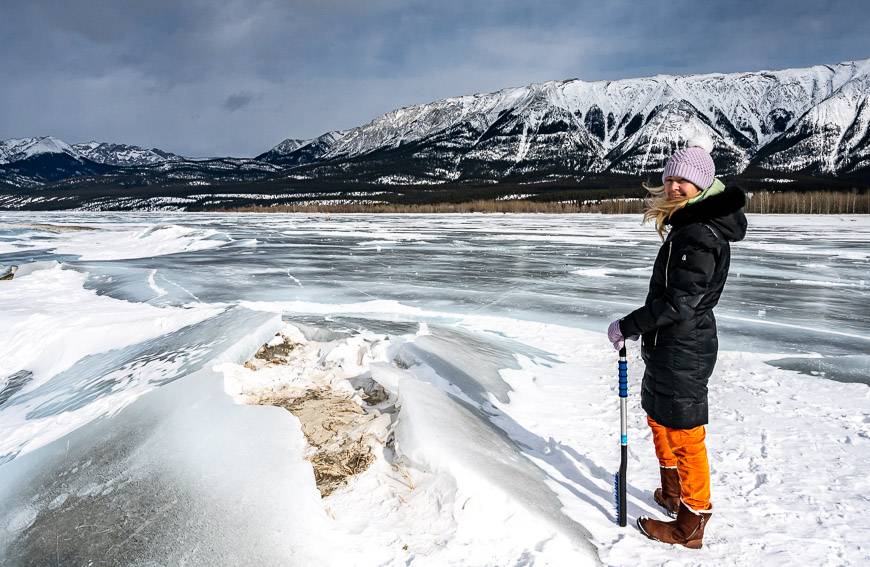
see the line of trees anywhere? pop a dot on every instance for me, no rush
(476, 206)
(809, 202)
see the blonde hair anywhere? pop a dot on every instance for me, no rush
(659, 208)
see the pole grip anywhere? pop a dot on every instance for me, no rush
(623, 374)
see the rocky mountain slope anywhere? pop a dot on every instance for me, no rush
(812, 121)
(123, 154)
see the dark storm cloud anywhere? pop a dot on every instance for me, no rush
(181, 75)
(236, 101)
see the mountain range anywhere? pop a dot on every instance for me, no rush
(814, 121)
(775, 125)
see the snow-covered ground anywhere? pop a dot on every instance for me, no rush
(127, 436)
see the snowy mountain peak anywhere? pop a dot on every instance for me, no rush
(290, 144)
(123, 154)
(16, 149)
(49, 145)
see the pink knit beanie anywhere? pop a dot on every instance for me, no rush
(693, 163)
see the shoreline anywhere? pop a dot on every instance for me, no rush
(811, 203)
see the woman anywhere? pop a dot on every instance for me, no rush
(700, 217)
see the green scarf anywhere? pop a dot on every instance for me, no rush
(714, 189)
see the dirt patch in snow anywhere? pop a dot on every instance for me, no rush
(272, 354)
(336, 428)
(339, 431)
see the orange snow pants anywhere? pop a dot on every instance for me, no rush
(685, 450)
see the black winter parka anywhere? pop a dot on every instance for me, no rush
(676, 324)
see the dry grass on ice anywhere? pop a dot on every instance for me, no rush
(336, 427)
(328, 422)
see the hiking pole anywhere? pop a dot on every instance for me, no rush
(623, 439)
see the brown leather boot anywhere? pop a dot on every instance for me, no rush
(687, 530)
(668, 496)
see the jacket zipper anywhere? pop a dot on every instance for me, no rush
(667, 265)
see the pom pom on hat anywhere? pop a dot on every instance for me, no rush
(703, 141)
(693, 163)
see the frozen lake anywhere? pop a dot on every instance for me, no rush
(124, 439)
(797, 283)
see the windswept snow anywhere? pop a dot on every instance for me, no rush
(157, 240)
(54, 329)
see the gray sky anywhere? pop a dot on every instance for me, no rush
(207, 78)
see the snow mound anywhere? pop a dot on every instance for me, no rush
(155, 240)
(429, 475)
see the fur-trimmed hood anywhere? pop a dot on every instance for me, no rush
(723, 210)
